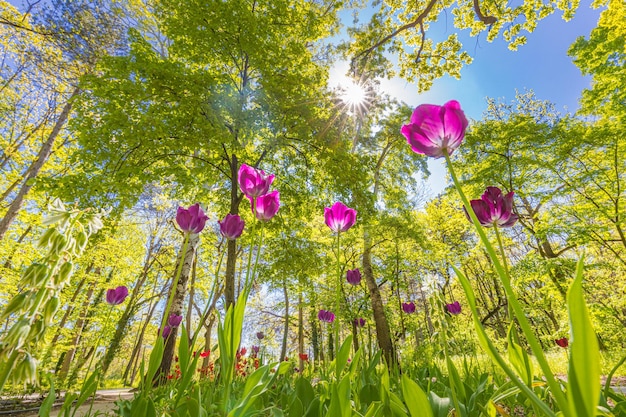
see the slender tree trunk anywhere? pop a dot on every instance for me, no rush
(78, 330)
(300, 330)
(283, 349)
(7, 264)
(121, 327)
(207, 342)
(383, 334)
(317, 352)
(35, 168)
(66, 316)
(177, 307)
(355, 336)
(135, 356)
(231, 254)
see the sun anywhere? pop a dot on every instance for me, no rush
(354, 95)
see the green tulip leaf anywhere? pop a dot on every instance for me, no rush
(584, 364)
(415, 398)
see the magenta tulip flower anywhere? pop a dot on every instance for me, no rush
(267, 205)
(454, 308)
(166, 331)
(339, 217)
(360, 322)
(255, 349)
(494, 209)
(254, 182)
(174, 320)
(434, 129)
(231, 227)
(326, 316)
(191, 220)
(353, 276)
(408, 308)
(117, 296)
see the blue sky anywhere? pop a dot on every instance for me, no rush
(542, 64)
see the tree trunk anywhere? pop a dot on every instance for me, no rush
(231, 254)
(66, 316)
(300, 330)
(382, 327)
(135, 356)
(283, 349)
(177, 307)
(317, 352)
(78, 329)
(35, 168)
(9, 260)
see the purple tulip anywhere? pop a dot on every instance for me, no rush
(339, 217)
(454, 308)
(231, 227)
(254, 182)
(166, 331)
(267, 205)
(174, 320)
(353, 276)
(260, 335)
(117, 296)
(494, 209)
(408, 308)
(360, 322)
(191, 220)
(255, 349)
(434, 129)
(326, 316)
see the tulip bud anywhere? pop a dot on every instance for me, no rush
(50, 310)
(17, 303)
(64, 274)
(18, 334)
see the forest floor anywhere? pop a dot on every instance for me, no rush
(28, 406)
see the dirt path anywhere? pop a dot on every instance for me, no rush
(103, 404)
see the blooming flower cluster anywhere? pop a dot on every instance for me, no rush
(359, 322)
(173, 321)
(255, 184)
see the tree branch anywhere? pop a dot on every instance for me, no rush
(418, 21)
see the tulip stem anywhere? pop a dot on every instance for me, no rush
(337, 294)
(555, 387)
(205, 313)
